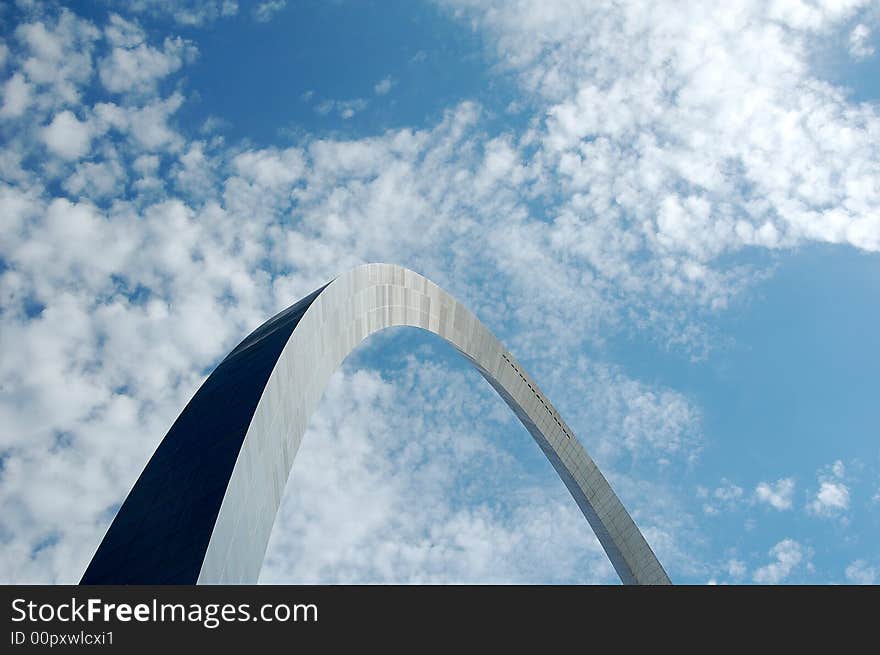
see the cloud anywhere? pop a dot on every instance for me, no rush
(617, 416)
(859, 44)
(146, 126)
(788, 554)
(727, 496)
(349, 108)
(859, 572)
(778, 495)
(265, 11)
(385, 492)
(95, 180)
(736, 569)
(815, 16)
(713, 136)
(345, 109)
(57, 54)
(134, 66)
(169, 267)
(16, 96)
(641, 175)
(67, 136)
(224, 238)
(832, 498)
(187, 12)
(384, 86)
(270, 168)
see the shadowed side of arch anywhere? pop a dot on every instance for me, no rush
(203, 509)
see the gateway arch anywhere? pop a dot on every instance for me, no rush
(203, 508)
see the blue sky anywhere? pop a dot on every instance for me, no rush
(669, 213)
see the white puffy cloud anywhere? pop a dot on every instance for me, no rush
(712, 135)
(122, 33)
(385, 491)
(133, 65)
(67, 136)
(146, 126)
(787, 555)
(776, 494)
(96, 180)
(16, 96)
(134, 348)
(803, 15)
(610, 212)
(832, 498)
(270, 168)
(859, 42)
(58, 55)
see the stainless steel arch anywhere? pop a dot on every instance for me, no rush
(328, 327)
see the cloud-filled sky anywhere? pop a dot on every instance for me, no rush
(669, 212)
